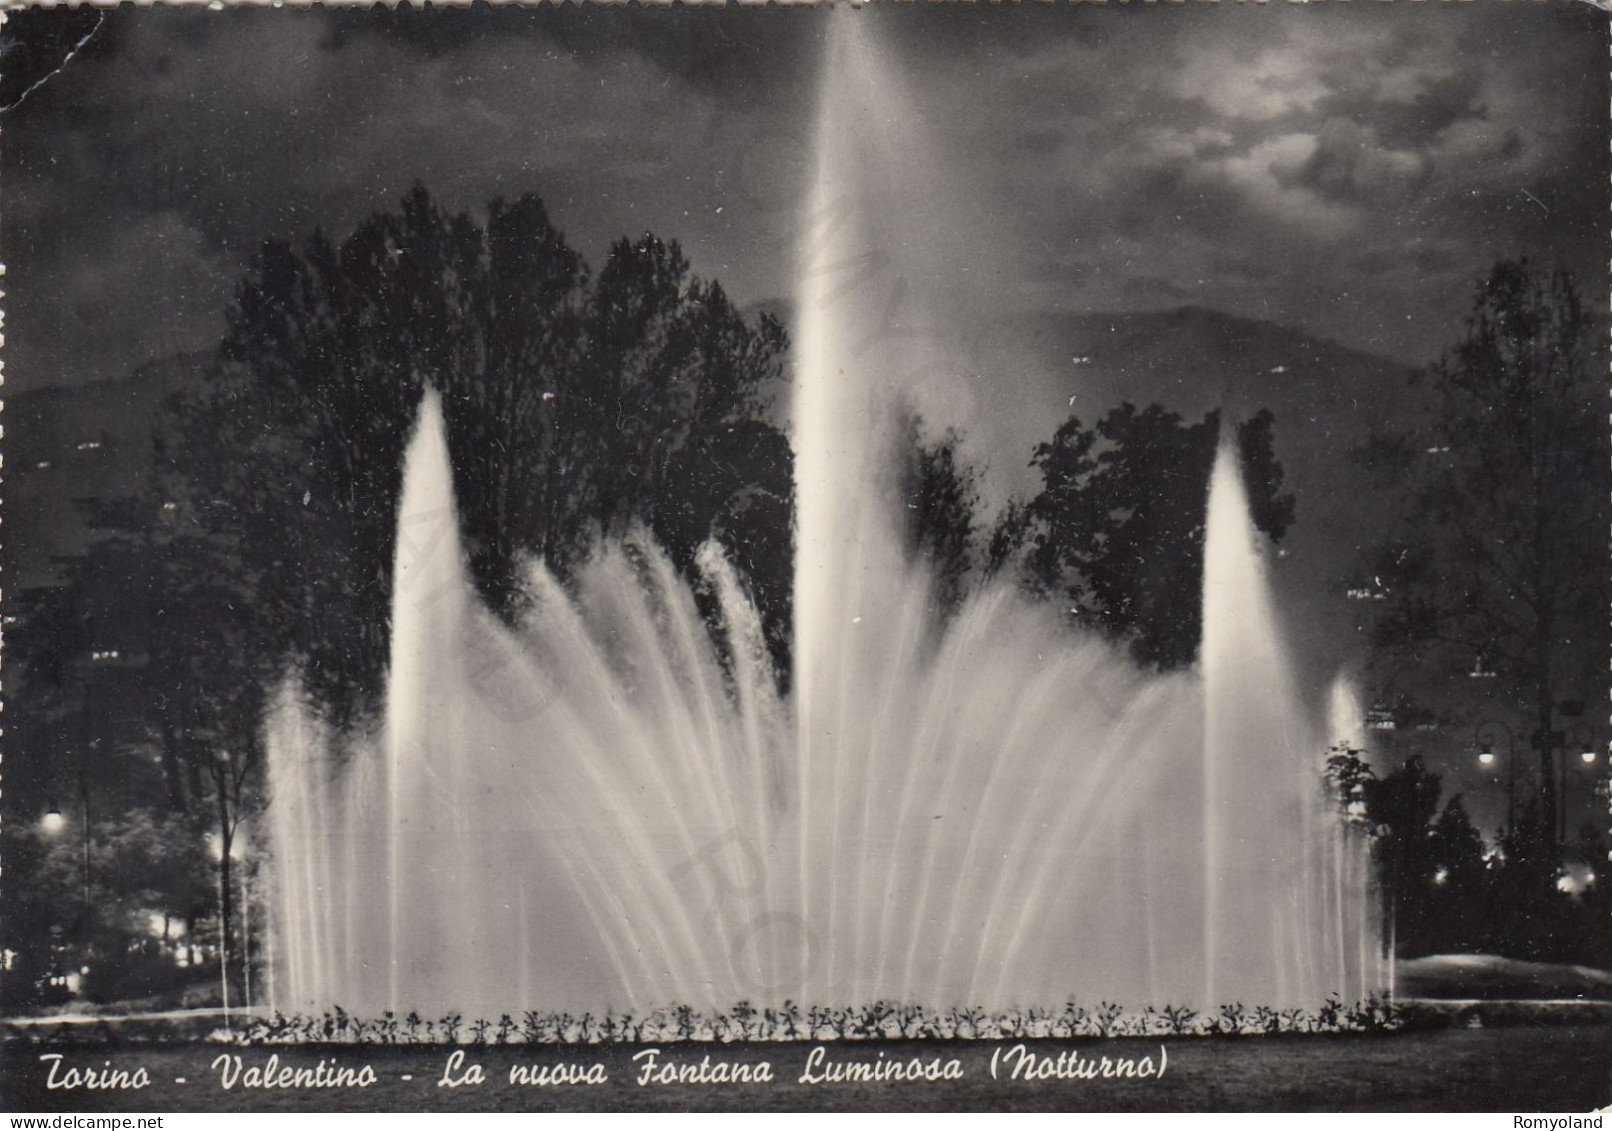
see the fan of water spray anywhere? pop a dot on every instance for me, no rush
(595, 810)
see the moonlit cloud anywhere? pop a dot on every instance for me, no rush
(1245, 81)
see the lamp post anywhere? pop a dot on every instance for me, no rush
(246, 941)
(215, 848)
(52, 824)
(1486, 736)
(1580, 740)
(226, 892)
(54, 821)
(84, 801)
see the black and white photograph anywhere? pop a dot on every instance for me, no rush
(896, 557)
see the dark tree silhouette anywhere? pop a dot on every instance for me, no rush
(577, 406)
(1273, 511)
(1497, 560)
(1445, 891)
(940, 504)
(144, 687)
(1117, 531)
(1008, 537)
(523, 320)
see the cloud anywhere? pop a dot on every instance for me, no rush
(215, 134)
(1236, 79)
(1270, 176)
(1254, 158)
(1262, 162)
(1349, 162)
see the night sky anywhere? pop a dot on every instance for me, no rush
(1346, 169)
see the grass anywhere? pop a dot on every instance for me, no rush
(1520, 1069)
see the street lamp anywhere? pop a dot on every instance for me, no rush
(1581, 736)
(52, 822)
(1486, 736)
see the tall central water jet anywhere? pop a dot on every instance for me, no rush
(855, 624)
(609, 806)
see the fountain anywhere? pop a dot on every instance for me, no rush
(599, 809)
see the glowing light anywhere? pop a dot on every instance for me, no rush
(53, 822)
(1587, 757)
(1575, 878)
(1486, 758)
(1441, 875)
(215, 847)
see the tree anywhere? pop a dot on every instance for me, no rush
(1422, 856)
(668, 428)
(577, 408)
(940, 501)
(734, 483)
(1008, 537)
(1117, 532)
(1272, 510)
(119, 845)
(520, 311)
(1448, 892)
(576, 405)
(140, 671)
(177, 668)
(1495, 561)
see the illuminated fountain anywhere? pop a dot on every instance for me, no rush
(593, 811)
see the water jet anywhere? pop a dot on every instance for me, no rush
(602, 809)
